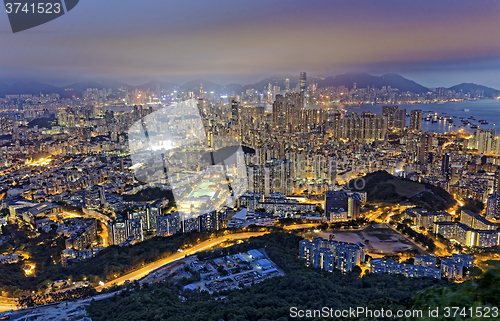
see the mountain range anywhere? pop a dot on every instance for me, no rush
(349, 80)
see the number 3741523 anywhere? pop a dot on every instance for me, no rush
(18, 7)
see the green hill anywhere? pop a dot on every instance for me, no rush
(383, 187)
(479, 294)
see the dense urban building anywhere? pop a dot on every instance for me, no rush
(342, 205)
(330, 255)
(379, 266)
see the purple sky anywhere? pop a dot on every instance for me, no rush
(436, 43)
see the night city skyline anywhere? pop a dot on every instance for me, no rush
(250, 160)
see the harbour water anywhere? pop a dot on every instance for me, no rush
(485, 109)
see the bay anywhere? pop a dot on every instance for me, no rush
(484, 109)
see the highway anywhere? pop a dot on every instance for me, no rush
(10, 304)
(203, 246)
(7, 304)
(299, 226)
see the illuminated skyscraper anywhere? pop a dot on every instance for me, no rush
(331, 169)
(416, 119)
(287, 114)
(286, 177)
(368, 127)
(493, 206)
(496, 187)
(117, 233)
(95, 197)
(396, 118)
(234, 113)
(445, 165)
(424, 149)
(167, 224)
(303, 88)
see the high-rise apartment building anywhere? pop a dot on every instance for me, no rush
(368, 127)
(303, 88)
(134, 230)
(416, 119)
(424, 148)
(396, 118)
(493, 206)
(167, 224)
(496, 183)
(95, 197)
(287, 113)
(330, 255)
(342, 205)
(151, 214)
(445, 165)
(117, 232)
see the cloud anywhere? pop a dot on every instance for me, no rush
(172, 40)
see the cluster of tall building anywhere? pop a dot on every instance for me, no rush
(287, 118)
(485, 142)
(473, 230)
(366, 127)
(330, 255)
(84, 236)
(172, 223)
(132, 229)
(453, 268)
(396, 118)
(424, 219)
(425, 266)
(271, 177)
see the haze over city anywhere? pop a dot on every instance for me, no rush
(436, 43)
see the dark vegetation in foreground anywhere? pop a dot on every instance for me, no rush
(478, 294)
(302, 287)
(379, 189)
(108, 264)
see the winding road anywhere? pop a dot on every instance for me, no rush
(10, 304)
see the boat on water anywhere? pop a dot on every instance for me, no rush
(474, 126)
